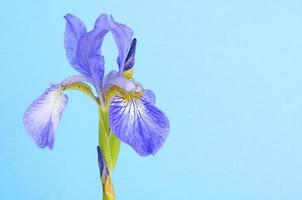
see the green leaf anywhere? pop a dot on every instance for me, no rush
(104, 142)
(108, 142)
(115, 144)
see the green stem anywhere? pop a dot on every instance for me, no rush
(110, 147)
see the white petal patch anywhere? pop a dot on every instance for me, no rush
(42, 117)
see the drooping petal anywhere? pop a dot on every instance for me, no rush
(113, 78)
(42, 117)
(89, 53)
(129, 63)
(149, 96)
(138, 123)
(122, 35)
(74, 30)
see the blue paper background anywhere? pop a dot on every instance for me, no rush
(227, 73)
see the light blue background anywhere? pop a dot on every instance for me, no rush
(227, 73)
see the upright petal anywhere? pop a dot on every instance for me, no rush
(129, 62)
(122, 35)
(88, 51)
(138, 123)
(74, 30)
(42, 117)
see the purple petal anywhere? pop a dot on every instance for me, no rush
(74, 30)
(122, 35)
(42, 117)
(76, 78)
(149, 96)
(113, 78)
(129, 63)
(138, 123)
(88, 51)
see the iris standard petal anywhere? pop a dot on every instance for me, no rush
(88, 51)
(74, 30)
(42, 117)
(138, 123)
(122, 35)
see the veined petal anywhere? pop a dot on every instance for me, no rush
(137, 122)
(129, 63)
(74, 30)
(88, 50)
(149, 96)
(122, 35)
(42, 117)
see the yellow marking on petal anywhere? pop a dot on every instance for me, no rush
(111, 92)
(128, 74)
(114, 90)
(132, 95)
(137, 95)
(82, 87)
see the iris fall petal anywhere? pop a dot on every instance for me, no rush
(149, 96)
(138, 123)
(42, 117)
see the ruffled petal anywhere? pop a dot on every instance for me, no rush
(122, 35)
(74, 30)
(88, 51)
(42, 117)
(129, 63)
(138, 123)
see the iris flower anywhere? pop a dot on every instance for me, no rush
(127, 110)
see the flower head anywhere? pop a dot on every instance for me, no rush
(132, 114)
